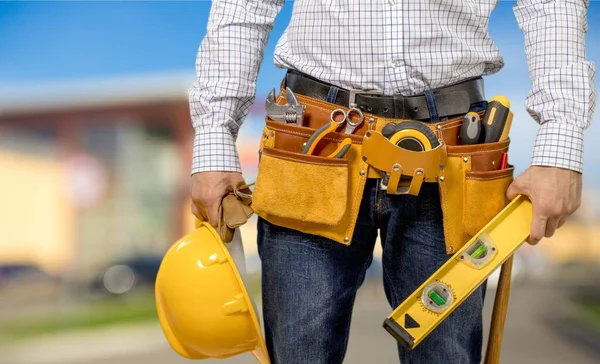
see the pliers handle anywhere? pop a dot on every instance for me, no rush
(316, 137)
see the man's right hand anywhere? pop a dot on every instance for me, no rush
(208, 190)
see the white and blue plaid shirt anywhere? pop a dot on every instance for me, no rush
(396, 46)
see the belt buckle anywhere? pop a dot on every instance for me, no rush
(353, 92)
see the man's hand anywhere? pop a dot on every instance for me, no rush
(208, 190)
(555, 193)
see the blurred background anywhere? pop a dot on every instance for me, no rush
(95, 149)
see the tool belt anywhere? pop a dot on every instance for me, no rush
(450, 100)
(320, 194)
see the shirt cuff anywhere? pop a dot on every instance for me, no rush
(559, 145)
(215, 150)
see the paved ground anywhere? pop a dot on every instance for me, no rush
(527, 339)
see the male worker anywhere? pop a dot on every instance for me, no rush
(399, 48)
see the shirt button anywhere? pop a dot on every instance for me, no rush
(395, 63)
(392, 2)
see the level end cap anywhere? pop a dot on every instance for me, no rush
(399, 333)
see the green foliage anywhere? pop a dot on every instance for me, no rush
(93, 315)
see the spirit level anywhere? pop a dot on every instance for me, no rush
(447, 288)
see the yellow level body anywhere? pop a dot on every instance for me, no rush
(453, 282)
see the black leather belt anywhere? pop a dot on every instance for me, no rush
(449, 101)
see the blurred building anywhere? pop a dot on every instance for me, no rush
(96, 171)
(93, 171)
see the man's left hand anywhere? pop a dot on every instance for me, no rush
(555, 193)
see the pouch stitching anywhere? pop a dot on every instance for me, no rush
(473, 178)
(291, 159)
(477, 152)
(445, 212)
(481, 175)
(357, 200)
(450, 124)
(298, 133)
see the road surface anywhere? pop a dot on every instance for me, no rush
(527, 338)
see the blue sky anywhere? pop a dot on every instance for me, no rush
(60, 41)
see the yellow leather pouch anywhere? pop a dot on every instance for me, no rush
(472, 189)
(314, 194)
(485, 197)
(303, 188)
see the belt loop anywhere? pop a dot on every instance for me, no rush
(399, 112)
(332, 95)
(431, 106)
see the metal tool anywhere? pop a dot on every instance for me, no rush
(334, 115)
(291, 112)
(454, 281)
(320, 133)
(470, 129)
(350, 124)
(316, 137)
(496, 120)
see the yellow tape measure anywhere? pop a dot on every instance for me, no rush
(447, 288)
(411, 135)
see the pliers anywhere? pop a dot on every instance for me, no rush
(320, 133)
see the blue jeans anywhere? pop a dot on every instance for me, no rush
(310, 282)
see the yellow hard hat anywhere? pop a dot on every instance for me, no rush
(203, 306)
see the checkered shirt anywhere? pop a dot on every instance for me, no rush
(393, 46)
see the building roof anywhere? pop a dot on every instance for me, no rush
(97, 92)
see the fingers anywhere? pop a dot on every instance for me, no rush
(555, 194)
(208, 191)
(547, 217)
(551, 226)
(561, 222)
(196, 212)
(213, 213)
(207, 212)
(538, 229)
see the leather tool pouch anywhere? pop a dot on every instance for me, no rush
(472, 187)
(472, 190)
(321, 195)
(314, 194)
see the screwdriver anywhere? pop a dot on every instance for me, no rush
(497, 120)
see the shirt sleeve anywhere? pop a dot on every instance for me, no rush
(227, 65)
(562, 98)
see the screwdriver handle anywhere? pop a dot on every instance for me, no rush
(495, 119)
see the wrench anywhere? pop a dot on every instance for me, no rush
(352, 125)
(291, 112)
